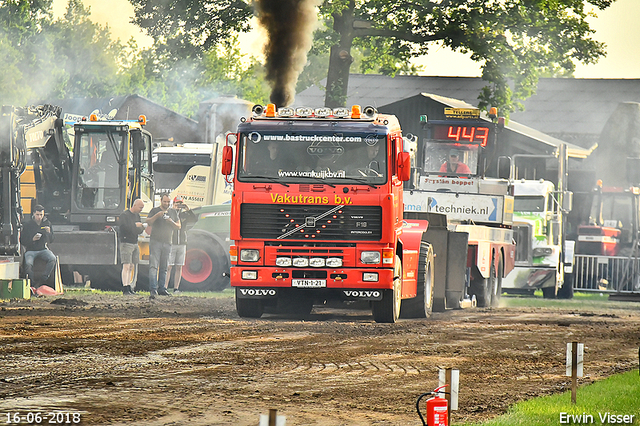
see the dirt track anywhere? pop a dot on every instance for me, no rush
(185, 360)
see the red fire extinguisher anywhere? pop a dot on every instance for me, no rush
(437, 409)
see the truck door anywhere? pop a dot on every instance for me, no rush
(140, 174)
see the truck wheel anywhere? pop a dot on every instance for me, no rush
(483, 288)
(549, 292)
(249, 308)
(204, 265)
(566, 291)
(421, 306)
(497, 293)
(388, 309)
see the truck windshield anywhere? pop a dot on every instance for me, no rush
(169, 169)
(331, 159)
(529, 204)
(615, 210)
(450, 158)
(98, 170)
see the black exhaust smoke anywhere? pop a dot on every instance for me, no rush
(289, 25)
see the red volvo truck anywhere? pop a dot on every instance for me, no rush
(317, 214)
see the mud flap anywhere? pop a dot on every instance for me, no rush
(450, 264)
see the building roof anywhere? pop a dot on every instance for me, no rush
(546, 142)
(574, 110)
(163, 123)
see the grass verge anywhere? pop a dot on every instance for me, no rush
(617, 395)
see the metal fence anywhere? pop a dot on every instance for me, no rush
(606, 274)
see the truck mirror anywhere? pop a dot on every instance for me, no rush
(567, 201)
(633, 171)
(227, 160)
(504, 167)
(404, 166)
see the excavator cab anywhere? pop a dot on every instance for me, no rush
(111, 168)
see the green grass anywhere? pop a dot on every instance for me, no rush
(618, 395)
(579, 301)
(226, 293)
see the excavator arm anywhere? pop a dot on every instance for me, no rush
(21, 130)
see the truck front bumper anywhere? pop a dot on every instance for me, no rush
(343, 283)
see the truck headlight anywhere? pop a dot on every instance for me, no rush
(316, 262)
(370, 257)
(283, 262)
(542, 251)
(249, 255)
(334, 262)
(300, 262)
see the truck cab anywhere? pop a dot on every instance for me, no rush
(317, 213)
(539, 237)
(450, 180)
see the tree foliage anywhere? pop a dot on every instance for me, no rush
(515, 41)
(42, 58)
(188, 29)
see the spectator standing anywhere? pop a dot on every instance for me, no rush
(179, 243)
(130, 227)
(35, 236)
(163, 221)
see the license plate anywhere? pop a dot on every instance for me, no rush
(308, 283)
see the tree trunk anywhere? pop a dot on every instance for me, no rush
(340, 60)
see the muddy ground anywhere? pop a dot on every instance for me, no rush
(184, 360)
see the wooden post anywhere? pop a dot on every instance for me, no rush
(450, 377)
(272, 416)
(574, 371)
(447, 380)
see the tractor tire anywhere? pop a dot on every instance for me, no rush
(206, 266)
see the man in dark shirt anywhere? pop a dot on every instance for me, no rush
(163, 222)
(35, 236)
(130, 227)
(179, 242)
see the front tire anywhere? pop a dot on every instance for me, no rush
(388, 309)
(421, 306)
(497, 288)
(483, 288)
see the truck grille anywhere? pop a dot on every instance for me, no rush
(310, 222)
(522, 237)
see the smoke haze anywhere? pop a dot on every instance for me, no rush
(289, 25)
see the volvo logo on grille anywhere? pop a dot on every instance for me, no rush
(363, 294)
(257, 292)
(310, 221)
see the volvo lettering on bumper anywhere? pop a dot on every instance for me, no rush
(363, 294)
(256, 292)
